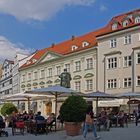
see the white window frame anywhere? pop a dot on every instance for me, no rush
(29, 76)
(42, 73)
(23, 78)
(35, 75)
(112, 63)
(138, 80)
(89, 62)
(89, 84)
(77, 85)
(138, 58)
(67, 66)
(77, 66)
(127, 61)
(58, 70)
(50, 72)
(113, 43)
(111, 83)
(125, 23)
(127, 39)
(114, 26)
(137, 19)
(127, 82)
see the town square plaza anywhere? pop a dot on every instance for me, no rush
(131, 132)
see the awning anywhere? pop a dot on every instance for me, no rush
(111, 103)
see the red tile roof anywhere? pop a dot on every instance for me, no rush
(65, 47)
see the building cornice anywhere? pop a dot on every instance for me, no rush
(112, 53)
(118, 32)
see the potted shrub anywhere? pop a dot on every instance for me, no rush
(73, 112)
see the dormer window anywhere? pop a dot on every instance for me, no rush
(125, 23)
(28, 62)
(34, 60)
(74, 47)
(114, 26)
(85, 44)
(137, 19)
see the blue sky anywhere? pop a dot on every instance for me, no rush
(28, 25)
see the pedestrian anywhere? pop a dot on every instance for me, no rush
(89, 122)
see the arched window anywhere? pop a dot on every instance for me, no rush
(125, 23)
(84, 44)
(137, 19)
(114, 26)
(74, 47)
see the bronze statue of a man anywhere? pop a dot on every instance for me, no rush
(65, 79)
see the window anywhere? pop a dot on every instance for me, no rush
(112, 63)
(127, 61)
(127, 39)
(113, 43)
(127, 82)
(111, 83)
(35, 75)
(77, 85)
(50, 72)
(138, 58)
(23, 78)
(77, 66)
(29, 76)
(137, 19)
(89, 63)
(114, 26)
(84, 44)
(42, 74)
(74, 47)
(138, 80)
(125, 23)
(67, 66)
(89, 85)
(58, 70)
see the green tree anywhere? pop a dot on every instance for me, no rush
(8, 108)
(73, 109)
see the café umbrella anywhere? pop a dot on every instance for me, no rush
(129, 95)
(56, 91)
(98, 95)
(23, 97)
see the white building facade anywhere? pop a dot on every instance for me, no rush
(6, 80)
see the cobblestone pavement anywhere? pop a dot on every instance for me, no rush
(130, 133)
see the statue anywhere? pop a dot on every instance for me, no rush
(65, 79)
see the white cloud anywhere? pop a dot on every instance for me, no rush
(9, 49)
(38, 9)
(103, 8)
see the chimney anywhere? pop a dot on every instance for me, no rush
(73, 37)
(53, 44)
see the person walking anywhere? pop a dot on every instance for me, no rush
(89, 121)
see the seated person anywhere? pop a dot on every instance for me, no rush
(40, 121)
(121, 118)
(51, 118)
(104, 120)
(39, 117)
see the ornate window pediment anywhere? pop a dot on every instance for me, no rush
(35, 84)
(88, 75)
(57, 81)
(22, 86)
(49, 82)
(77, 77)
(28, 85)
(41, 83)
